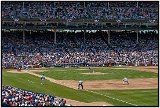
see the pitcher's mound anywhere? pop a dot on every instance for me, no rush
(94, 73)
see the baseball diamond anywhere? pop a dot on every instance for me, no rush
(80, 53)
(140, 85)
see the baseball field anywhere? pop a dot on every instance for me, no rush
(102, 86)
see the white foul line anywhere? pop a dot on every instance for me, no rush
(112, 98)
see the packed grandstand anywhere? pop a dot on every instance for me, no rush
(12, 96)
(79, 10)
(85, 47)
(70, 48)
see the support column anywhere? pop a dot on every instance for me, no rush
(23, 36)
(137, 36)
(108, 4)
(55, 36)
(84, 36)
(108, 36)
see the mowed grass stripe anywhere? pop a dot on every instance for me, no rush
(75, 74)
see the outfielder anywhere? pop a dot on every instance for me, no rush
(42, 79)
(125, 81)
(80, 84)
(91, 69)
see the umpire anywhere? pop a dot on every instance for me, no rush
(80, 84)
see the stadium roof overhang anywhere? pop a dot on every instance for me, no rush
(82, 24)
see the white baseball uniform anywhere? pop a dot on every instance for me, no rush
(125, 80)
(42, 79)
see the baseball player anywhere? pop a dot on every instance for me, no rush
(91, 69)
(19, 68)
(80, 84)
(42, 79)
(27, 67)
(125, 81)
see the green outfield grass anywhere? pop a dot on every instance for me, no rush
(138, 97)
(75, 74)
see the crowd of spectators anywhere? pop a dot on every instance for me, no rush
(12, 96)
(81, 10)
(145, 52)
(77, 48)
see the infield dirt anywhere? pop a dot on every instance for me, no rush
(140, 69)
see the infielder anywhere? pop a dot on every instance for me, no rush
(42, 79)
(125, 81)
(80, 84)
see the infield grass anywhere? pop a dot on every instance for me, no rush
(75, 74)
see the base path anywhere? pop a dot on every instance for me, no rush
(78, 103)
